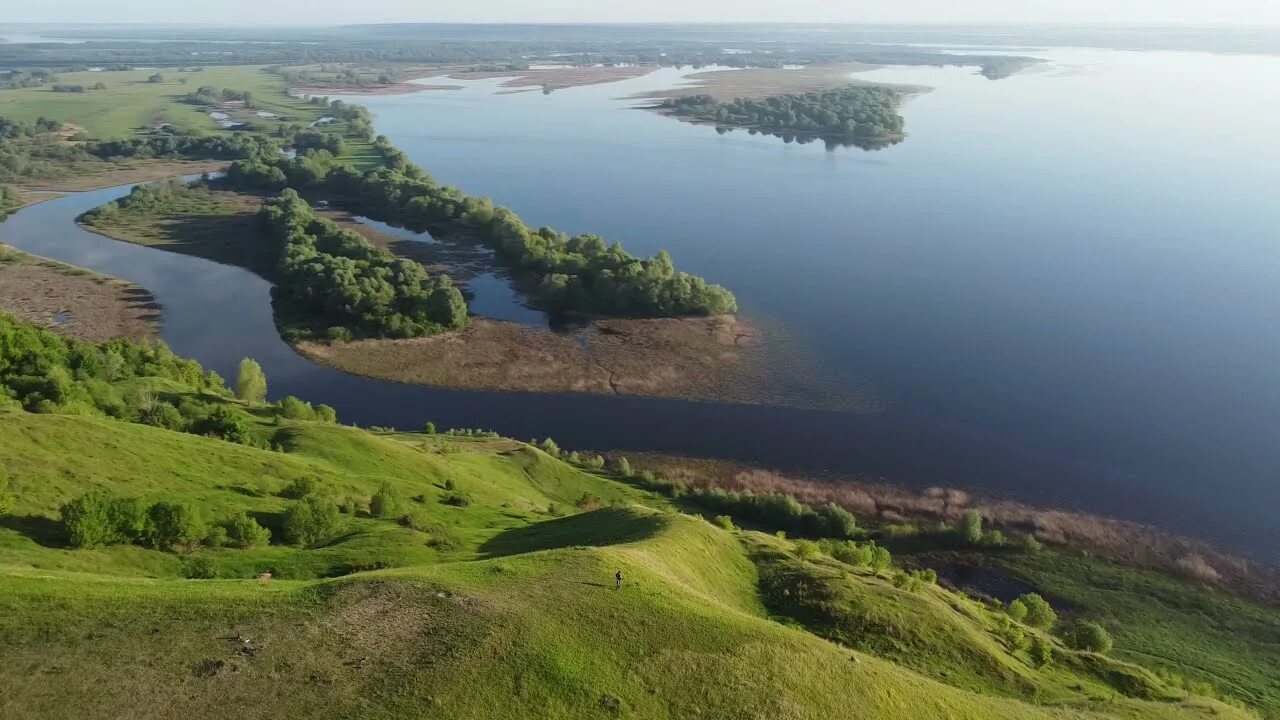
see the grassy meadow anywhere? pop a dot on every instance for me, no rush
(130, 103)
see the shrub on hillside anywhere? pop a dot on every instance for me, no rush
(724, 521)
(386, 503)
(1041, 652)
(130, 518)
(623, 466)
(868, 554)
(300, 487)
(1088, 636)
(311, 520)
(807, 549)
(176, 524)
(1039, 613)
(835, 521)
(87, 520)
(251, 382)
(1017, 609)
(245, 532)
(163, 415)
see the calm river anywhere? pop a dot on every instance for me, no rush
(1062, 285)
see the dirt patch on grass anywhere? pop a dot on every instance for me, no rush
(91, 176)
(558, 78)
(73, 301)
(725, 85)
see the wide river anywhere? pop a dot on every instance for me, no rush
(1062, 285)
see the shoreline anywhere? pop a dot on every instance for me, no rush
(906, 510)
(74, 301)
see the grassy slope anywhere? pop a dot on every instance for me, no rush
(521, 619)
(1200, 632)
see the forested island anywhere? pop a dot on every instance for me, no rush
(581, 273)
(862, 115)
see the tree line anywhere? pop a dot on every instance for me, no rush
(580, 273)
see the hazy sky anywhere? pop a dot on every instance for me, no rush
(1084, 12)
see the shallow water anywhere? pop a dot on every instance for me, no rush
(1061, 283)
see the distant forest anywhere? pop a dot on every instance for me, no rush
(866, 116)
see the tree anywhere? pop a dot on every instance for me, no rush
(87, 520)
(1017, 610)
(251, 382)
(1039, 613)
(429, 428)
(311, 520)
(836, 521)
(1041, 652)
(971, 527)
(245, 532)
(386, 502)
(176, 524)
(1088, 636)
(623, 467)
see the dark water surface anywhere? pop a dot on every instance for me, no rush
(1063, 284)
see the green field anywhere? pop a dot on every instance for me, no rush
(130, 104)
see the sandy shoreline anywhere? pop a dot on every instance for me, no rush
(73, 301)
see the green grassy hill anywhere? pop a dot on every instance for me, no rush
(485, 592)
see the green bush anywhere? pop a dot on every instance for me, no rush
(162, 415)
(724, 521)
(1041, 652)
(176, 524)
(835, 521)
(970, 529)
(251, 382)
(623, 467)
(87, 520)
(1017, 610)
(300, 488)
(245, 532)
(1088, 636)
(199, 567)
(129, 518)
(311, 520)
(386, 503)
(429, 428)
(1039, 613)
(807, 549)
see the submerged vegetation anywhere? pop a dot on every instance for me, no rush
(863, 115)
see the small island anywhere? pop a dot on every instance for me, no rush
(864, 116)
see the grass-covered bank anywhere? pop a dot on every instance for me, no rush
(230, 556)
(1196, 617)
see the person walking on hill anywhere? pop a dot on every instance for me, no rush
(617, 580)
